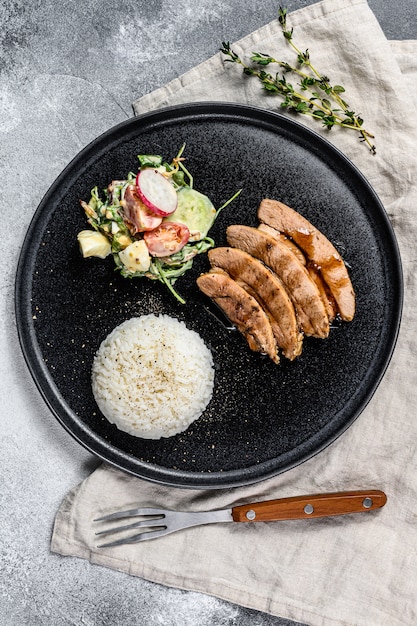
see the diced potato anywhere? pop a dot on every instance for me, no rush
(136, 257)
(93, 243)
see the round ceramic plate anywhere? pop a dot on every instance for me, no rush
(263, 419)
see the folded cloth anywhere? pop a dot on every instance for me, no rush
(359, 571)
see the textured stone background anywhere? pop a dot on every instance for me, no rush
(69, 71)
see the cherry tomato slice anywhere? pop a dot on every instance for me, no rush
(166, 239)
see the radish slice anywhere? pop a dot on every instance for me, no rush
(156, 192)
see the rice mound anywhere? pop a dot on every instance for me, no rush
(152, 376)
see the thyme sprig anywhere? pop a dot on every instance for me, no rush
(316, 96)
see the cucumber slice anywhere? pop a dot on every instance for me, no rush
(195, 210)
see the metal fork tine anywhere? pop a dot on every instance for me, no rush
(153, 518)
(136, 538)
(150, 523)
(130, 513)
(163, 520)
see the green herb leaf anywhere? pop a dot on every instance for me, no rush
(149, 160)
(332, 110)
(261, 59)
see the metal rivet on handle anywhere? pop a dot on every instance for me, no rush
(308, 509)
(367, 503)
(251, 514)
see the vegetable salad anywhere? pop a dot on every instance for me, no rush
(153, 223)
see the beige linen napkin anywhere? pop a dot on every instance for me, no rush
(359, 571)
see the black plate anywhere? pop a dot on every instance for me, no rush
(263, 419)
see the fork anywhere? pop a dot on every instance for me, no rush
(163, 521)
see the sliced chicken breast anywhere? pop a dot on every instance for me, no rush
(317, 248)
(327, 297)
(303, 292)
(242, 310)
(284, 239)
(325, 293)
(268, 290)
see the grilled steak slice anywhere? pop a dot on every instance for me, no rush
(317, 248)
(242, 310)
(301, 289)
(268, 290)
(315, 275)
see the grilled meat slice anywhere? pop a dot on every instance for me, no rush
(325, 293)
(301, 289)
(268, 290)
(317, 248)
(327, 297)
(284, 239)
(242, 310)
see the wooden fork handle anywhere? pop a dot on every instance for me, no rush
(305, 507)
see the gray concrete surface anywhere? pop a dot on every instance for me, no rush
(70, 70)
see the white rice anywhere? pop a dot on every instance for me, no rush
(152, 376)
